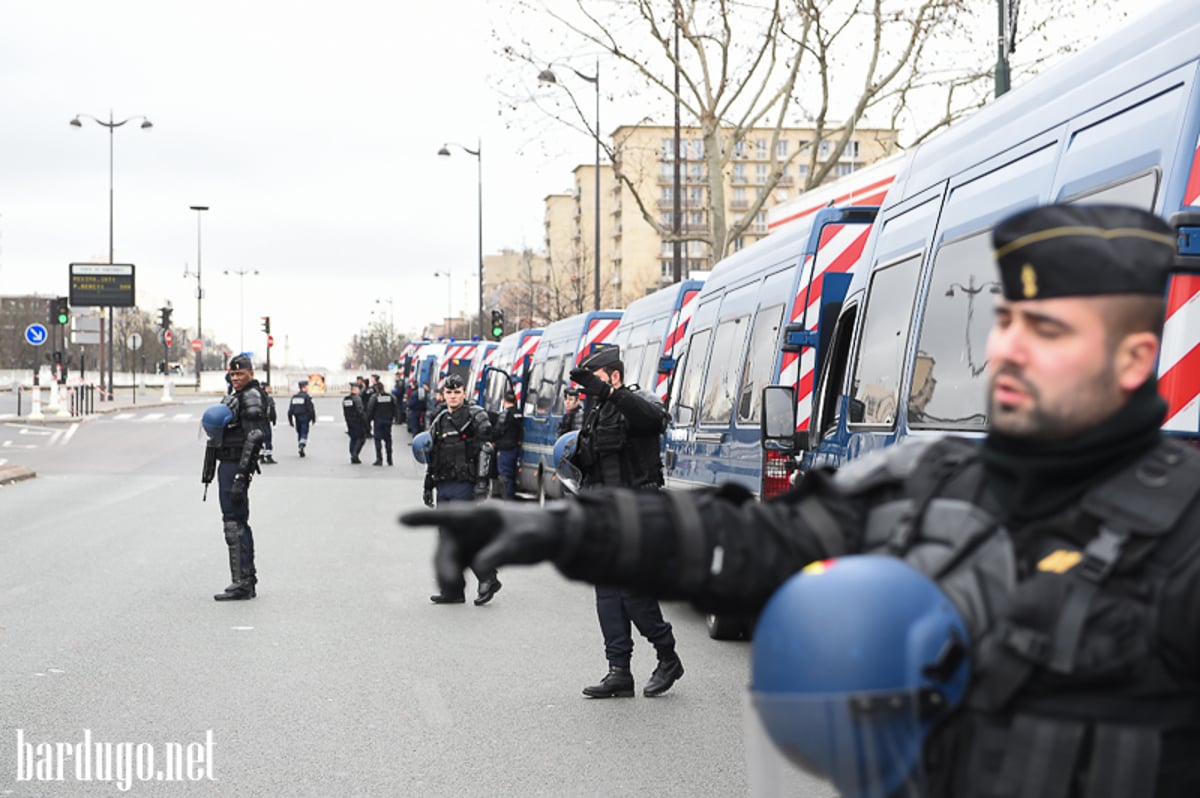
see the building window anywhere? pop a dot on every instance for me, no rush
(760, 222)
(668, 249)
(695, 249)
(696, 172)
(851, 150)
(760, 149)
(760, 174)
(696, 218)
(781, 194)
(668, 269)
(781, 149)
(668, 193)
(696, 196)
(803, 172)
(668, 149)
(739, 149)
(823, 150)
(668, 220)
(697, 149)
(842, 169)
(739, 173)
(739, 243)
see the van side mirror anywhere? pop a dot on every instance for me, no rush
(778, 421)
(857, 410)
(666, 365)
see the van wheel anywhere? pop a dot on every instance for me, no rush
(727, 627)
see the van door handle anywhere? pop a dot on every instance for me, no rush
(710, 437)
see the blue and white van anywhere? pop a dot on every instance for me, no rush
(562, 346)
(509, 368)
(651, 334)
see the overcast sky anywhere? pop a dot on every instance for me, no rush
(310, 129)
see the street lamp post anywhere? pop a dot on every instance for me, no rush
(449, 302)
(199, 292)
(241, 273)
(547, 76)
(111, 125)
(478, 153)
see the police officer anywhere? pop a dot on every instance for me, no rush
(301, 414)
(381, 410)
(267, 452)
(237, 461)
(619, 446)
(1066, 538)
(398, 398)
(458, 468)
(414, 404)
(510, 430)
(356, 421)
(572, 412)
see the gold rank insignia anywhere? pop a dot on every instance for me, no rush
(1029, 281)
(1059, 562)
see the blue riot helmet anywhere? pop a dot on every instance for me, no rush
(567, 472)
(214, 421)
(855, 661)
(422, 446)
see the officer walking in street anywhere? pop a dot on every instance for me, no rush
(381, 410)
(619, 446)
(356, 422)
(301, 414)
(240, 443)
(267, 452)
(1065, 539)
(510, 429)
(458, 469)
(572, 412)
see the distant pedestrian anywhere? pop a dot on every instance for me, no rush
(510, 429)
(381, 411)
(356, 422)
(301, 414)
(272, 417)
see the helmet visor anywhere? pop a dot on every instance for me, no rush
(868, 745)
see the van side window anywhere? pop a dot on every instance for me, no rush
(834, 373)
(692, 370)
(881, 348)
(724, 364)
(763, 339)
(557, 377)
(949, 370)
(533, 388)
(648, 379)
(632, 358)
(1138, 191)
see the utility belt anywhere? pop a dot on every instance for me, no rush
(228, 453)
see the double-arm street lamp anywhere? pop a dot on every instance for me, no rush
(547, 76)
(478, 153)
(241, 274)
(199, 209)
(111, 125)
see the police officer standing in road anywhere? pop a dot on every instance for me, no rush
(572, 412)
(459, 464)
(272, 417)
(356, 422)
(237, 458)
(1066, 539)
(510, 429)
(619, 446)
(381, 410)
(414, 404)
(301, 414)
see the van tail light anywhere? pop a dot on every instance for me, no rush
(777, 471)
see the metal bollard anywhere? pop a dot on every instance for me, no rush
(18, 390)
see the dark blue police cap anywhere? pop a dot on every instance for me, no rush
(1083, 250)
(606, 357)
(241, 361)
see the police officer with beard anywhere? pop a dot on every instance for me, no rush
(459, 468)
(381, 411)
(1066, 538)
(237, 460)
(619, 446)
(356, 422)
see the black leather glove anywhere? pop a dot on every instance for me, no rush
(499, 533)
(237, 494)
(592, 385)
(427, 497)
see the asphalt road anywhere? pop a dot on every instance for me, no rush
(341, 679)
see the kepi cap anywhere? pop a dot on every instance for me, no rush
(603, 358)
(241, 361)
(1083, 250)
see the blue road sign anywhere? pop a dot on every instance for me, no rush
(35, 334)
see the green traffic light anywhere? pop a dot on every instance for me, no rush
(63, 318)
(497, 332)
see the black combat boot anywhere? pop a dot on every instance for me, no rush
(241, 585)
(669, 670)
(618, 683)
(448, 598)
(487, 589)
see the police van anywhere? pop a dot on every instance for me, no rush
(651, 334)
(509, 368)
(483, 356)
(563, 345)
(1118, 123)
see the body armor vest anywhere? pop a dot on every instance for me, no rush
(1073, 692)
(455, 448)
(608, 455)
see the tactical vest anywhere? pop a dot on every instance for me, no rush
(455, 449)
(1073, 692)
(351, 412)
(608, 455)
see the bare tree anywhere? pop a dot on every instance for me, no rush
(765, 66)
(373, 348)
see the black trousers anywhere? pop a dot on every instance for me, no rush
(446, 566)
(619, 608)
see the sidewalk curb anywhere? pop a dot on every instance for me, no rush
(10, 474)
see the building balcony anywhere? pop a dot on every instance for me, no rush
(739, 204)
(786, 180)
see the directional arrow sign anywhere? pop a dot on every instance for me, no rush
(35, 334)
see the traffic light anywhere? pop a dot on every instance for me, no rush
(266, 324)
(164, 320)
(497, 324)
(62, 310)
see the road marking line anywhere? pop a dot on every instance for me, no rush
(11, 445)
(153, 416)
(70, 432)
(38, 431)
(182, 417)
(123, 416)
(324, 418)
(54, 437)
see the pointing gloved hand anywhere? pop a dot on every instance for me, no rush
(495, 533)
(237, 493)
(592, 385)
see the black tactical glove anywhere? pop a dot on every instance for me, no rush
(427, 497)
(495, 534)
(237, 494)
(592, 385)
